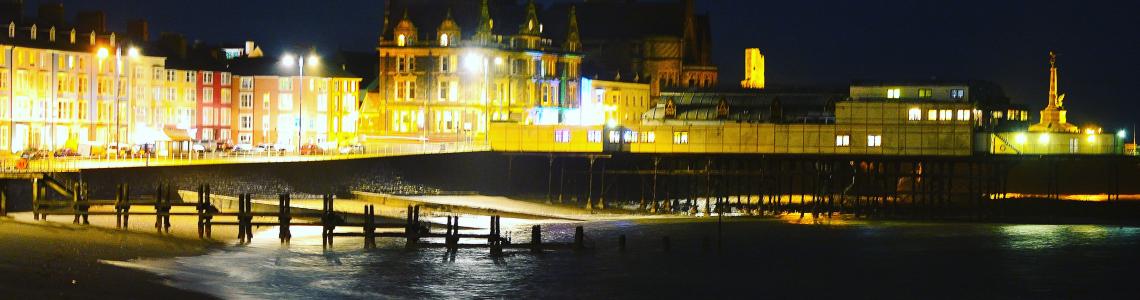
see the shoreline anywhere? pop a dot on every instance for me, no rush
(55, 260)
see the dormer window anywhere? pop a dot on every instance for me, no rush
(444, 41)
(401, 40)
(12, 30)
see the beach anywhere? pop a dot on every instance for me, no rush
(47, 260)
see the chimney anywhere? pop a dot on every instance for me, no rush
(51, 14)
(138, 31)
(12, 11)
(92, 21)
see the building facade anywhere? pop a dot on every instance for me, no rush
(273, 107)
(446, 77)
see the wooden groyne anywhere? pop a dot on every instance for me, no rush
(333, 223)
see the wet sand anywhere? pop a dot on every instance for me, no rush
(48, 260)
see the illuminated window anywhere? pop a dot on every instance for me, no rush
(932, 115)
(443, 40)
(1024, 115)
(915, 114)
(401, 40)
(285, 84)
(963, 115)
(894, 93)
(246, 100)
(246, 83)
(615, 137)
(444, 90)
(562, 136)
(925, 93)
(680, 137)
(842, 140)
(998, 114)
(285, 101)
(629, 136)
(207, 77)
(1073, 145)
(874, 140)
(445, 64)
(945, 115)
(594, 136)
(957, 93)
(245, 122)
(648, 137)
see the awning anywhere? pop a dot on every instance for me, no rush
(177, 135)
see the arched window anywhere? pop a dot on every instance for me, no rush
(401, 40)
(444, 40)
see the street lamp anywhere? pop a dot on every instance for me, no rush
(289, 60)
(133, 54)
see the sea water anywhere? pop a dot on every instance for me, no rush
(739, 258)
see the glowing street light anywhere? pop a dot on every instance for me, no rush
(1121, 134)
(133, 53)
(103, 53)
(289, 60)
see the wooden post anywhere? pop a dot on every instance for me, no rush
(75, 202)
(590, 185)
(126, 205)
(536, 238)
(370, 227)
(494, 238)
(200, 208)
(284, 218)
(158, 208)
(550, 180)
(209, 210)
(579, 239)
(36, 199)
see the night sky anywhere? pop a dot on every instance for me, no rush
(807, 42)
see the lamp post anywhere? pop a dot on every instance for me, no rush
(289, 60)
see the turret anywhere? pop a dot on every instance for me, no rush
(405, 32)
(449, 32)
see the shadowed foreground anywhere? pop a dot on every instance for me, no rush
(49, 260)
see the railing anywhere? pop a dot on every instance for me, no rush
(71, 164)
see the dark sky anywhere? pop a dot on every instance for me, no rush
(807, 42)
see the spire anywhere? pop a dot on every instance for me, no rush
(573, 40)
(1054, 99)
(486, 24)
(387, 10)
(531, 26)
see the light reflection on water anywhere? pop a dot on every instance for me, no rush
(760, 258)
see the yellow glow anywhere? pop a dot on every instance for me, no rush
(401, 40)
(753, 69)
(103, 53)
(314, 60)
(1090, 131)
(498, 61)
(287, 59)
(1021, 138)
(1092, 138)
(1043, 139)
(133, 52)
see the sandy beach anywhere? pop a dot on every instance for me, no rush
(49, 260)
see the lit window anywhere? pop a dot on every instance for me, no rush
(443, 40)
(945, 115)
(925, 93)
(246, 100)
(932, 115)
(998, 114)
(874, 140)
(894, 93)
(680, 137)
(562, 136)
(594, 136)
(615, 137)
(629, 136)
(401, 40)
(957, 93)
(963, 115)
(648, 137)
(1073, 148)
(915, 114)
(285, 101)
(842, 140)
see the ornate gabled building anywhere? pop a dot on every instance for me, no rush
(665, 43)
(448, 68)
